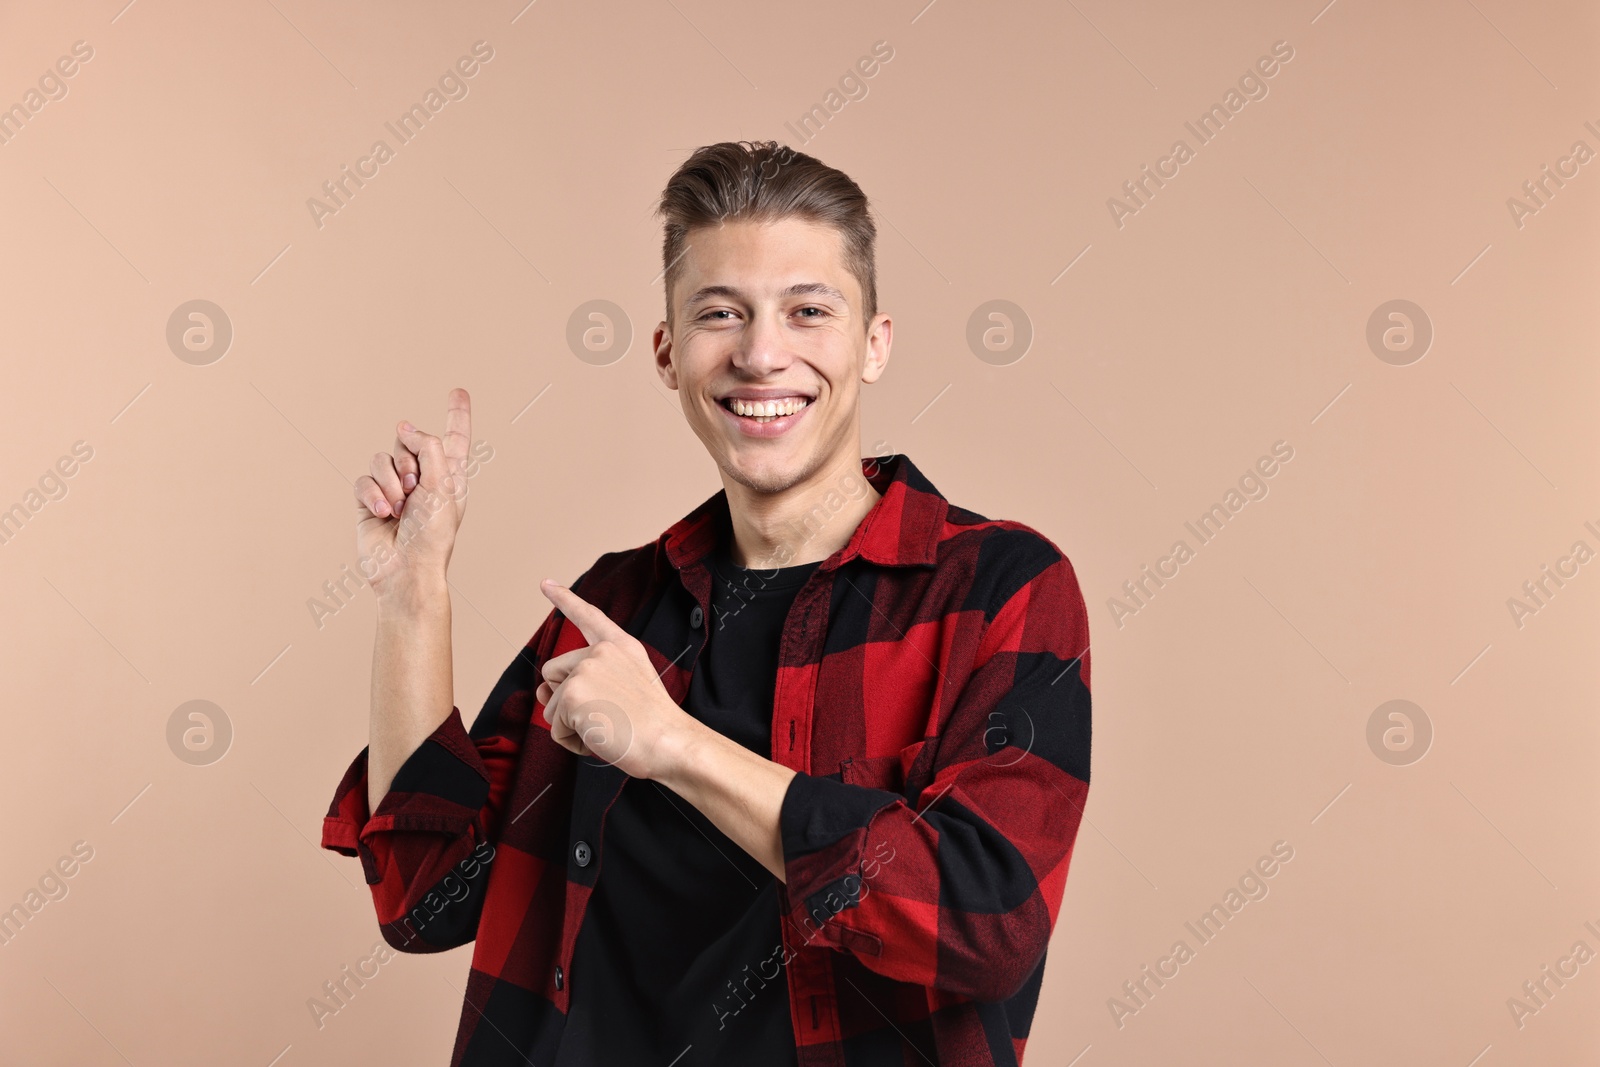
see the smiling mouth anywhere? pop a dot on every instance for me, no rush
(762, 411)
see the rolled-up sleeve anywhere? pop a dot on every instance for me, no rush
(426, 826)
(427, 849)
(959, 888)
(440, 788)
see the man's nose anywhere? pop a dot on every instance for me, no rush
(761, 347)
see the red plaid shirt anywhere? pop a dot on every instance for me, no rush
(933, 696)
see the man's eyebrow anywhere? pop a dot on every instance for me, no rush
(706, 292)
(798, 289)
(815, 289)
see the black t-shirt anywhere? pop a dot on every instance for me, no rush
(682, 919)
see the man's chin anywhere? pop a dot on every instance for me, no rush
(773, 473)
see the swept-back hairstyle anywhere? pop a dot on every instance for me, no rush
(761, 181)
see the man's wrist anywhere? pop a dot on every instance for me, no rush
(685, 753)
(739, 790)
(411, 599)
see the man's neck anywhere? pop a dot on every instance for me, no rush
(808, 522)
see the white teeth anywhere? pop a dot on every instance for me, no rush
(769, 408)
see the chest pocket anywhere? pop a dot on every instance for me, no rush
(878, 772)
(908, 772)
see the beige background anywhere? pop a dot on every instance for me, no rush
(1229, 313)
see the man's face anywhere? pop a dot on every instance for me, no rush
(762, 312)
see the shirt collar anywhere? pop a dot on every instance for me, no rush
(903, 528)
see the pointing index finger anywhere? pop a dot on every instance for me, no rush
(457, 425)
(594, 624)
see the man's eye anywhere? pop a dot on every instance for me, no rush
(820, 312)
(716, 311)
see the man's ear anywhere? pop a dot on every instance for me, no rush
(880, 338)
(661, 340)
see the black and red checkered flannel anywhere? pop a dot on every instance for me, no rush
(932, 693)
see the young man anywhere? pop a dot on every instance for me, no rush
(827, 736)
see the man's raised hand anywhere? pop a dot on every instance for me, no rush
(410, 506)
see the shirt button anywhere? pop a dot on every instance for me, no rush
(580, 852)
(558, 977)
(696, 617)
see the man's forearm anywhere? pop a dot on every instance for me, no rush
(412, 685)
(739, 791)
